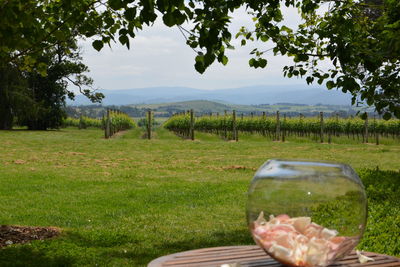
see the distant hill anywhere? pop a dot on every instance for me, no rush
(205, 106)
(202, 107)
(253, 95)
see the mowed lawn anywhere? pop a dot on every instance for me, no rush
(127, 200)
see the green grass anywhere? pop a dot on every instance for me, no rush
(127, 200)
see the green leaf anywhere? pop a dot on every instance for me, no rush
(130, 14)
(179, 17)
(123, 39)
(193, 44)
(262, 62)
(264, 38)
(169, 19)
(364, 116)
(200, 58)
(286, 29)
(387, 116)
(224, 60)
(199, 66)
(209, 59)
(251, 62)
(309, 80)
(60, 35)
(115, 4)
(42, 69)
(301, 57)
(98, 45)
(330, 84)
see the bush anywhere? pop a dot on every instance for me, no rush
(83, 122)
(382, 234)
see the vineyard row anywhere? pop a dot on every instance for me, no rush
(112, 122)
(279, 127)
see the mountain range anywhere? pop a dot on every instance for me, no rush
(251, 95)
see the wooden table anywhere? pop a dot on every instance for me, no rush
(253, 256)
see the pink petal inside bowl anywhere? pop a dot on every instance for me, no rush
(299, 242)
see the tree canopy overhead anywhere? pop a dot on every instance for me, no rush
(361, 38)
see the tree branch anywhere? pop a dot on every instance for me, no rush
(29, 50)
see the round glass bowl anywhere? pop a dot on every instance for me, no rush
(305, 213)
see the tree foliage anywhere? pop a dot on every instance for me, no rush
(360, 38)
(32, 99)
(12, 86)
(46, 95)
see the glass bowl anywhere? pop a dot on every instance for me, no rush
(305, 213)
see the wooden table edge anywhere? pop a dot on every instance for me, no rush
(158, 261)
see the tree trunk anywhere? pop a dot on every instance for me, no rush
(6, 115)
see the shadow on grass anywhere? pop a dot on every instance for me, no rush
(142, 256)
(21, 256)
(102, 240)
(70, 249)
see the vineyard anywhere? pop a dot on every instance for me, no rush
(112, 123)
(279, 128)
(83, 122)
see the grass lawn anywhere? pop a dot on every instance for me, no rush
(127, 200)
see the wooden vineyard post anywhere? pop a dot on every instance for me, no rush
(278, 126)
(234, 129)
(225, 126)
(330, 134)
(241, 116)
(107, 128)
(376, 132)
(111, 125)
(284, 128)
(337, 123)
(191, 125)
(263, 118)
(149, 124)
(217, 128)
(366, 128)
(80, 126)
(321, 133)
(300, 133)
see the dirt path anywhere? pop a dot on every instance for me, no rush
(119, 134)
(12, 234)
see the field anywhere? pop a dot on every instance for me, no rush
(127, 200)
(204, 107)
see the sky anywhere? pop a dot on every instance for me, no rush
(159, 56)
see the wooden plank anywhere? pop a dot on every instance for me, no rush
(375, 263)
(223, 259)
(227, 248)
(219, 254)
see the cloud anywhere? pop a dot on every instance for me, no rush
(159, 56)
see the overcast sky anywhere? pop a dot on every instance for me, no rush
(159, 57)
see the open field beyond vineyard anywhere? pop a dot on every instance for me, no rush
(127, 200)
